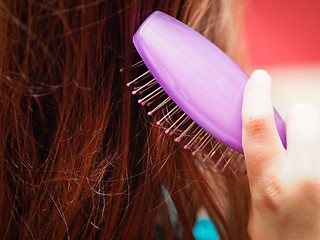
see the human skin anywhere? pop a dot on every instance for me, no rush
(284, 184)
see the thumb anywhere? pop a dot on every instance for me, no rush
(262, 146)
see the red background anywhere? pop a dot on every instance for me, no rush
(282, 32)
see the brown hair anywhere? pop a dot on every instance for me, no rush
(79, 159)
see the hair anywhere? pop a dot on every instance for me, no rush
(78, 157)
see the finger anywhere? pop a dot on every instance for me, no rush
(303, 138)
(261, 143)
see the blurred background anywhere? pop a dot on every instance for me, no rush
(283, 37)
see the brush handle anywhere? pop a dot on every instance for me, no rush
(201, 79)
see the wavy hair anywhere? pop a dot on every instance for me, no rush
(78, 157)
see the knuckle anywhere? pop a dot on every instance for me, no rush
(268, 195)
(256, 124)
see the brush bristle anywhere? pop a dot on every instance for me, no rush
(175, 122)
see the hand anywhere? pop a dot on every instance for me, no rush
(284, 184)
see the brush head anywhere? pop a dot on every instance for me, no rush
(202, 80)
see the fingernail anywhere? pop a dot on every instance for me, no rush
(259, 73)
(304, 107)
(258, 94)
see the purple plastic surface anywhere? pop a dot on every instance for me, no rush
(202, 80)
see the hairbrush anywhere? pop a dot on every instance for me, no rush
(196, 86)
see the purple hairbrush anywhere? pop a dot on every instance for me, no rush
(199, 78)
